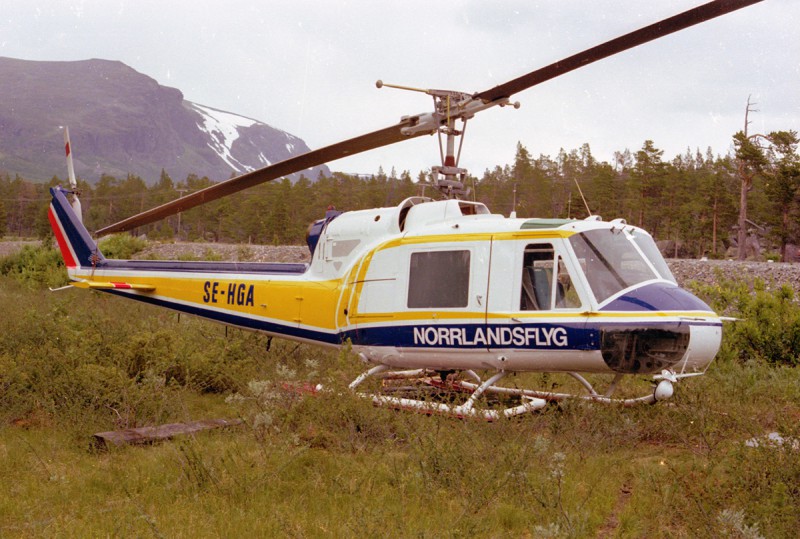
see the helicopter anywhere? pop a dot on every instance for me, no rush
(441, 290)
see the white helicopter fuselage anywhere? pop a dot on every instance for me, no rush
(442, 285)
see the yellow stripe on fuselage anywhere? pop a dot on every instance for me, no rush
(475, 237)
(294, 301)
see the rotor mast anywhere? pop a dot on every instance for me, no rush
(448, 106)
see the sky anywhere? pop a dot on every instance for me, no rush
(309, 68)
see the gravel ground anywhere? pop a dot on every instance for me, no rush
(708, 271)
(227, 251)
(774, 274)
(11, 247)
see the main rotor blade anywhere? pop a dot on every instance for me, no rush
(393, 134)
(609, 48)
(370, 141)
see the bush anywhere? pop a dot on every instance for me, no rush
(35, 266)
(209, 255)
(768, 325)
(78, 358)
(122, 246)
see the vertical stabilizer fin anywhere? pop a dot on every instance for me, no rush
(76, 245)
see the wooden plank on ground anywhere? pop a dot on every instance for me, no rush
(144, 435)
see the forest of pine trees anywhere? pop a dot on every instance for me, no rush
(690, 203)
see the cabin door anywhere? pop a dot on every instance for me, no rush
(532, 290)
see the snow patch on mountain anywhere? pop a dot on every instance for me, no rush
(223, 130)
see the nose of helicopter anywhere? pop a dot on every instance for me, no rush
(704, 344)
(677, 331)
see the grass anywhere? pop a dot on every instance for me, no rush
(74, 363)
(352, 469)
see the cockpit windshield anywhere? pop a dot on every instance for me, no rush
(614, 259)
(650, 250)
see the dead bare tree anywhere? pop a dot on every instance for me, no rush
(750, 161)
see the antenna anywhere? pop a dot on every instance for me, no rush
(588, 211)
(513, 214)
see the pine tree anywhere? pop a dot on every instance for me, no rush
(4, 183)
(750, 164)
(646, 186)
(783, 187)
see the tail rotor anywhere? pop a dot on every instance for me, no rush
(73, 184)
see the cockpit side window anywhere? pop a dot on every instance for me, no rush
(568, 296)
(546, 282)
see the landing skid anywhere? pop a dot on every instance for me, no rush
(531, 400)
(466, 409)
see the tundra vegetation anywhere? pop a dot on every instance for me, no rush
(75, 363)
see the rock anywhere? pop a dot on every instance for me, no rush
(225, 251)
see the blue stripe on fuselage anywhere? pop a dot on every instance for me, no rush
(533, 336)
(475, 336)
(657, 297)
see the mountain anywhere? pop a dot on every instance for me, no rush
(123, 122)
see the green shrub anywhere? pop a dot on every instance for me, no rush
(80, 358)
(122, 246)
(209, 255)
(35, 266)
(768, 322)
(244, 253)
(95, 386)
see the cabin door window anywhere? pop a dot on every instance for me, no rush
(546, 282)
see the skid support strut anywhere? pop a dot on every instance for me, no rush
(663, 390)
(466, 409)
(531, 400)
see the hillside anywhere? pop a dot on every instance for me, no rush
(123, 122)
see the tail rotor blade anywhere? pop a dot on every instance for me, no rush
(73, 183)
(70, 167)
(76, 207)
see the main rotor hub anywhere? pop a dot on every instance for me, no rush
(448, 106)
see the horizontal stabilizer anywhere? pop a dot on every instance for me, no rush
(106, 285)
